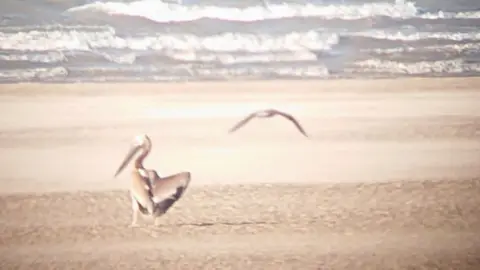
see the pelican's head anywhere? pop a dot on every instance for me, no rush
(141, 141)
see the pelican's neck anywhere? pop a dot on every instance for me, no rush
(141, 157)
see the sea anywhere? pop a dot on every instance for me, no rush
(208, 40)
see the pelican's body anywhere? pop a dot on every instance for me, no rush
(268, 114)
(151, 194)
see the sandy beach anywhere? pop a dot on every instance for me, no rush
(389, 178)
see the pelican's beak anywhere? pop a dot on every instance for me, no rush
(133, 150)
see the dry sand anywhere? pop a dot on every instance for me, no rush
(389, 179)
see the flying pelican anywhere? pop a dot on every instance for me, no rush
(151, 194)
(267, 114)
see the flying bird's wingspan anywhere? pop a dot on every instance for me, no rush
(291, 118)
(267, 114)
(242, 122)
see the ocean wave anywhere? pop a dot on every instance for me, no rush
(91, 39)
(47, 57)
(163, 12)
(451, 15)
(143, 73)
(55, 27)
(313, 71)
(199, 71)
(118, 58)
(171, 57)
(229, 58)
(188, 72)
(106, 38)
(175, 57)
(455, 66)
(53, 37)
(403, 36)
(471, 47)
(40, 74)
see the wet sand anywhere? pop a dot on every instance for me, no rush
(389, 179)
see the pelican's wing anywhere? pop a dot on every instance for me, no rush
(165, 204)
(242, 122)
(166, 191)
(292, 119)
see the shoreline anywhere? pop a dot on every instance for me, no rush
(415, 84)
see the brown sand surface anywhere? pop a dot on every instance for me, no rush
(389, 178)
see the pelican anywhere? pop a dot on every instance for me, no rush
(267, 114)
(151, 194)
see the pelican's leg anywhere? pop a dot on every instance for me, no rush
(156, 221)
(135, 211)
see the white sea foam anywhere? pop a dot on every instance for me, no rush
(49, 44)
(161, 74)
(451, 15)
(106, 38)
(193, 71)
(162, 12)
(43, 74)
(450, 48)
(313, 71)
(56, 27)
(49, 39)
(405, 36)
(122, 58)
(304, 55)
(227, 58)
(57, 38)
(47, 57)
(418, 68)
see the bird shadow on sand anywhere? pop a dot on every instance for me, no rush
(209, 224)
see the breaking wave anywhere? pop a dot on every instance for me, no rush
(190, 72)
(88, 39)
(455, 66)
(161, 12)
(29, 74)
(73, 39)
(399, 35)
(140, 73)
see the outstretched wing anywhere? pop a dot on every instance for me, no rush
(165, 204)
(167, 190)
(292, 119)
(242, 122)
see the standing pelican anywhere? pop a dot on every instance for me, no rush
(151, 194)
(267, 114)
